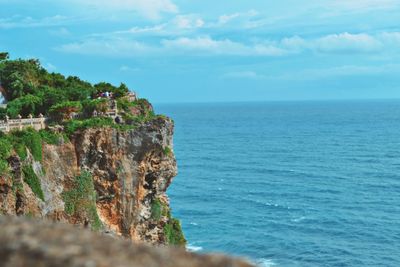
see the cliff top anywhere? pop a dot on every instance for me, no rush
(62, 105)
(30, 90)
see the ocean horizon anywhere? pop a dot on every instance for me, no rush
(290, 183)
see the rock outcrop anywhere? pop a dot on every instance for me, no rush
(107, 179)
(32, 243)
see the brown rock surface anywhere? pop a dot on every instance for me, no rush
(130, 171)
(26, 242)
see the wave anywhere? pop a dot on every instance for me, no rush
(265, 263)
(299, 219)
(192, 248)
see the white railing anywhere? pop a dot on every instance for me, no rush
(40, 122)
(20, 123)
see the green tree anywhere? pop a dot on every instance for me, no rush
(24, 106)
(65, 109)
(121, 91)
(100, 105)
(19, 77)
(4, 56)
(50, 96)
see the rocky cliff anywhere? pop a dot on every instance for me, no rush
(106, 179)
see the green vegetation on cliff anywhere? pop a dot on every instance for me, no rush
(173, 233)
(23, 140)
(69, 105)
(81, 200)
(30, 89)
(33, 181)
(172, 229)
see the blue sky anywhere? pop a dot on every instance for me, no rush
(200, 51)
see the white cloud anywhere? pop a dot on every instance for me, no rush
(251, 75)
(149, 8)
(141, 30)
(128, 69)
(188, 22)
(347, 42)
(339, 71)
(359, 5)
(391, 39)
(343, 43)
(222, 47)
(29, 22)
(61, 32)
(204, 44)
(226, 18)
(111, 47)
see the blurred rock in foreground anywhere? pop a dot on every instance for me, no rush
(26, 242)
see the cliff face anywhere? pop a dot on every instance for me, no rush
(106, 179)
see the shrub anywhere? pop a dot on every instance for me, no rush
(100, 105)
(3, 166)
(173, 233)
(5, 148)
(33, 181)
(73, 125)
(124, 104)
(5, 151)
(28, 138)
(50, 137)
(64, 109)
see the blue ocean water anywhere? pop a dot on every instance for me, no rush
(290, 183)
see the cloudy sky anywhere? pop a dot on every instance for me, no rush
(198, 51)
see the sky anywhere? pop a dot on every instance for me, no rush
(215, 51)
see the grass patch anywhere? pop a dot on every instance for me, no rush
(26, 139)
(173, 229)
(173, 233)
(167, 151)
(51, 137)
(33, 181)
(73, 126)
(5, 152)
(81, 200)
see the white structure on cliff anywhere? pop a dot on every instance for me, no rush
(20, 123)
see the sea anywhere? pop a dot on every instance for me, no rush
(290, 183)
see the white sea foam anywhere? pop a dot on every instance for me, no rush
(302, 218)
(265, 263)
(193, 223)
(193, 248)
